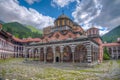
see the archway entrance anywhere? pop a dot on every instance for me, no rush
(57, 54)
(57, 59)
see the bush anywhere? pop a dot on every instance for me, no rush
(106, 55)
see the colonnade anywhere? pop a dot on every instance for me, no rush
(83, 53)
(114, 52)
(8, 50)
(18, 51)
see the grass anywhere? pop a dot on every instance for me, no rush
(9, 60)
(5, 60)
(92, 71)
(3, 72)
(118, 61)
(16, 69)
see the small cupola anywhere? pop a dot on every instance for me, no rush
(93, 31)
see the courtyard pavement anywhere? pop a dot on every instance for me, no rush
(18, 69)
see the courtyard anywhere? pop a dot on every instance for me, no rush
(18, 69)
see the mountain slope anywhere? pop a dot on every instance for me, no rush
(33, 29)
(20, 30)
(112, 35)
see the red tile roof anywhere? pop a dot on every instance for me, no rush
(98, 40)
(27, 40)
(111, 44)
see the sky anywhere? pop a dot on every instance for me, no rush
(103, 14)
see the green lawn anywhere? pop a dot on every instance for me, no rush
(19, 70)
(118, 61)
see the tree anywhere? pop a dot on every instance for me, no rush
(106, 55)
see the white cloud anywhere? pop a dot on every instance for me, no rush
(86, 10)
(32, 1)
(61, 3)
(83, 15)
(102, 30)
(110, 15)
(12, 11)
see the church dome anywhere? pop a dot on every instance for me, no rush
(63, 16)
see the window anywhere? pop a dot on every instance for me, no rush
(70, 36)
(60, 22)
(57, 36)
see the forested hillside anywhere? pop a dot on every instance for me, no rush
(21, 31)
(112, 35)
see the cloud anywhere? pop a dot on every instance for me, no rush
(86, 10)
(14, 12)
(110, 16)
(102, 30)
(32, 1)
(61, 3)
(104, 13)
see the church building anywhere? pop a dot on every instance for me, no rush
(66, 41)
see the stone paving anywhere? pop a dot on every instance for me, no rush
(17, 69)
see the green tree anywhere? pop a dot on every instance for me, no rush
(106, 55)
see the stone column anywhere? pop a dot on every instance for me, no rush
(112, 52)
(39, 53)
(73, 50)
(24, 51)
(54, 57)
(117, 52)
(15, 51)
(32, 53)
(18, 51)
(61, 51)
(89, 53)
(97, 54)
(44, 54)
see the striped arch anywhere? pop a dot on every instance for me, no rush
(49, 54)
(67, 54)
(80, 53)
